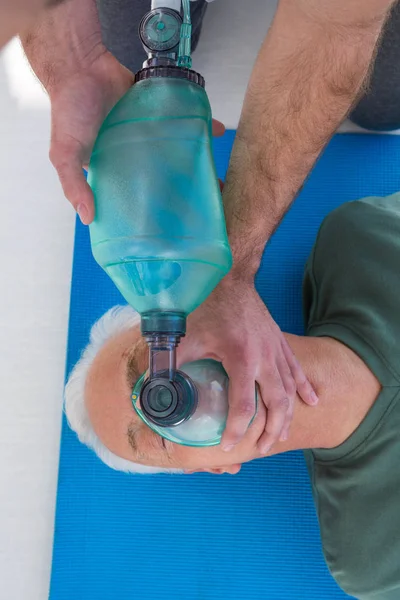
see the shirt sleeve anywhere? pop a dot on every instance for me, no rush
(351, 286)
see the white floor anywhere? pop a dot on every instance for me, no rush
(36, 239)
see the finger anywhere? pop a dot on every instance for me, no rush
(68, 164)
(218, 128)
(303, 386)
(288, 421)
(286, 376)
(242, 406)
(290, 391)
(274, 397)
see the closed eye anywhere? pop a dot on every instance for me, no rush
(166, 447)
(154, 442)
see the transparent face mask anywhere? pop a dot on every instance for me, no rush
(191, 409)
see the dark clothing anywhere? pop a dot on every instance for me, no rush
(351, 293)
(379, 109)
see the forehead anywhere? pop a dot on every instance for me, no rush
(122, 355)
(107, 393)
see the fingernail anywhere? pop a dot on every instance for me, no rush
(265, 449)
(83, 213)
(283, 437)
(228, 448)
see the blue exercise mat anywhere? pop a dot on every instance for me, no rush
(253, 536)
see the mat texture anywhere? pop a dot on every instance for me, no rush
(253, 536)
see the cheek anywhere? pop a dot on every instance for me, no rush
(196, 458)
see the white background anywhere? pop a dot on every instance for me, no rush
(36, 239)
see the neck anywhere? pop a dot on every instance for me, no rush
(345, 386)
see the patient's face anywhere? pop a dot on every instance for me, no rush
(108, 400)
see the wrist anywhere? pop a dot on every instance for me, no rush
(246, 259)
(257, 191)
(252, 214)
(239, 275)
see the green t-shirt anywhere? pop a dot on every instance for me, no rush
(352, 294)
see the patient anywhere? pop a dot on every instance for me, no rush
(351, 355)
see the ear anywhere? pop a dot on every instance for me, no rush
(231, 469)
(214, 471)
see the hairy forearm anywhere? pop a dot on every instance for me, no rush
(64, 41)
(307, 76)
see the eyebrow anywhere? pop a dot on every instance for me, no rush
(132, 374)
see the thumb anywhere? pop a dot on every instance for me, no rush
(188, 351)
(194, 347)
(218, 128)
(66, 159)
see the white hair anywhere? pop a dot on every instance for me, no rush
(115, 321)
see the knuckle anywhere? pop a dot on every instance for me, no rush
(234, 433)
(281, 403)
(290, 388)
(245, 409)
